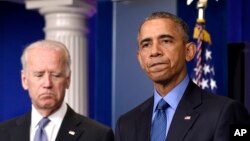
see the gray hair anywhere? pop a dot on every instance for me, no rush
(46, 44)
(161, 14)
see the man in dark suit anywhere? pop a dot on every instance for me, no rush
(46, 76)
(188, 113)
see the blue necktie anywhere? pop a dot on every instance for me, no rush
(158, 129)
(40, 132)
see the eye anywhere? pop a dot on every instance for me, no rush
(56, 75)
(166, 41)
(144, 45)
(39, 74)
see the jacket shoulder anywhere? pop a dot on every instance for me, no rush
(10, 123)
(146, 105)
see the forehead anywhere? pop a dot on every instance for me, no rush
(158, 26)
(42, 55)
(44, 51)
(162, 21)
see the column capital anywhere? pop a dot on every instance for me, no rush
(86, 7)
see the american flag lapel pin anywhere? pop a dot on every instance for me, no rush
(72, 132)
(187, 118)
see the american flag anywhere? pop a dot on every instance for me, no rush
(204, 72)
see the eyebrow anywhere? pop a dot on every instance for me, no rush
(165, 36)
(36, 72)
(160, 37)
(145, 40)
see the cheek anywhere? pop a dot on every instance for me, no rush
(141, 60)
(31, 85)
(144, 64)
(33, 92)
(175, 60)
(178, 55)
(60, 86)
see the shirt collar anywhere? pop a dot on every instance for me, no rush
(56, 117)
(174, 96)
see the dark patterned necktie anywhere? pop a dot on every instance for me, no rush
(40, 132)
(158, 129)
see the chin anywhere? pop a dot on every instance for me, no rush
(160, 79)
(157, 77)
(49, 104)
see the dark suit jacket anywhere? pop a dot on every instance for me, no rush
(18, 129)
(210, 118)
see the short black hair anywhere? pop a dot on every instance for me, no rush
(167, 15)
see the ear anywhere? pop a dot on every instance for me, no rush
(190, 49)
(24, 80)
(68, 80)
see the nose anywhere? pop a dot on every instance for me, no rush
(47, 81)
(156, 50)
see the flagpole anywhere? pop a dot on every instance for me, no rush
(201, 6)
(204, 73)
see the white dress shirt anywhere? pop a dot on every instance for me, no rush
(52, 127)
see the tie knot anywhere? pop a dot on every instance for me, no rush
(43, 122)
(162, 105)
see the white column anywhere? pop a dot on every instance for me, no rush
(66, 23)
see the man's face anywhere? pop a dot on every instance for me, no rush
(46, 78)
(161, 51)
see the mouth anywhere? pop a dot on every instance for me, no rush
(156, 64)
(159, 66)
(46, 95)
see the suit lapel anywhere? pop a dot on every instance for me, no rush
(143, 121)
(70, 129)
(22, 129)
(185, 115)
